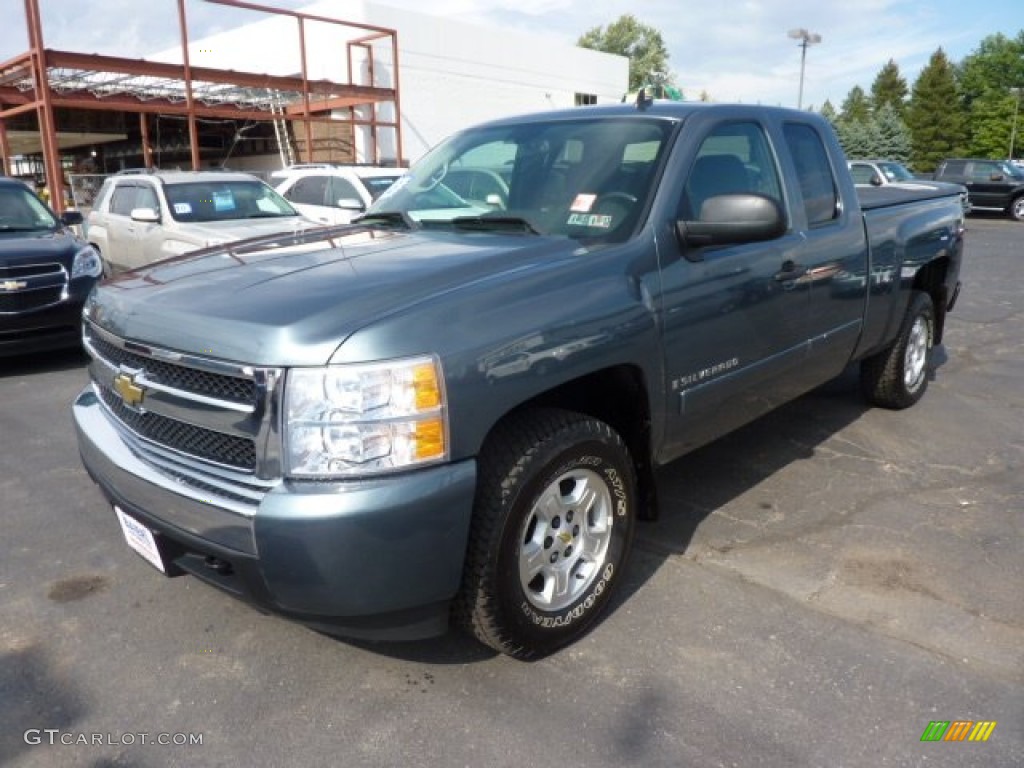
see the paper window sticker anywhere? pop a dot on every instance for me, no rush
(583, 203)
(599, 220)
(223, 201)
(182, 209)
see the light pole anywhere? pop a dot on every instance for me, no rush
(1016, 111)
(806, 38)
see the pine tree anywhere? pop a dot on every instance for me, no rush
(889, 136)
(936, 116)
(889, 88)
(856, 107)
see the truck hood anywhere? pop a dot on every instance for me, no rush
(18, 248)
(293, 303)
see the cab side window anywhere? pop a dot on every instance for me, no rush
(341, 189)
(123, 200)
(983, 171)
(814, 173)
(309, 190)
(146, 198)
(735, 158)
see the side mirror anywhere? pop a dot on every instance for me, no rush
(71, 218)
(996, 177)
(350, 204)
(733, 219)
(146, 215)
(876, 181)
(493, 200)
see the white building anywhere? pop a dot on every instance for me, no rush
(451, 73)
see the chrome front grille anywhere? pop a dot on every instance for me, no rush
(230, 450)
(201, 422)
(31, 286)
(234, 388)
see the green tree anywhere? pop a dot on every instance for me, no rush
(996, 64)
(888, 135)
(989, 78)
(889, 88)
(856, 108)
(936, 116)
(829, 112)
(640, 43)
(992, 117)
(855, 138)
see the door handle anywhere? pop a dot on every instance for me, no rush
(790, 271)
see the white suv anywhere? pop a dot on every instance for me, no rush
(140, 217)
(333, 194)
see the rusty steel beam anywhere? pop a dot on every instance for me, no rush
(190, 104)
(44, 108)
(99, 63)
(5, 151)
(147, 151)
(399, 160)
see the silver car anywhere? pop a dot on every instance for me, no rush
(141, 217)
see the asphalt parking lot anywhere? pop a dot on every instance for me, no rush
(822, 585)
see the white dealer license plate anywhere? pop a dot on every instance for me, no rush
(140, 538)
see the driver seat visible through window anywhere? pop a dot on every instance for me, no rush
(714, 175)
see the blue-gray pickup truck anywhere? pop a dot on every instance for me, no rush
(453, 408)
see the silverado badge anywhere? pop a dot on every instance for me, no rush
(130, 392)
(13, 285)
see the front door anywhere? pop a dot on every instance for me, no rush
(733, 317)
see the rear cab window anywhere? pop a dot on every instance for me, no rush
(815, 177)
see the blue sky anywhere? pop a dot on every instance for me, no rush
(735, 50)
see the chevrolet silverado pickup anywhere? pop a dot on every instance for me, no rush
(452, 409)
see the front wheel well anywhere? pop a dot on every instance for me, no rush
(618, 397)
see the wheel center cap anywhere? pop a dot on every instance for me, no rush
(565, 537)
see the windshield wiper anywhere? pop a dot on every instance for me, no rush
(400, 218)
(494, 224)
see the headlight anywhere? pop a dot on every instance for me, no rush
(87, 263)
(353, 420)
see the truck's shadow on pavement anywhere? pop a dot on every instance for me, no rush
(694, 487)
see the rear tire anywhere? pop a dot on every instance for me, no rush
(552, 529)
(897, 377)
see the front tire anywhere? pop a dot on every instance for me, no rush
(552, 529)
(1017, 208)
(897, 377)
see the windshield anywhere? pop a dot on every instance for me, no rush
(1012, 171)
(378, 185)
(22, 211)
(585, 178)
(225, 200)
(896, 172)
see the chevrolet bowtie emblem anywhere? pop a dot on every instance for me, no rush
(130, 392)
(13, 285)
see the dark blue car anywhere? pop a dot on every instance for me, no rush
(46, 271)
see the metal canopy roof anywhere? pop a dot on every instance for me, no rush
(42, 80)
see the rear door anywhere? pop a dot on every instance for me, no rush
(833, 261)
